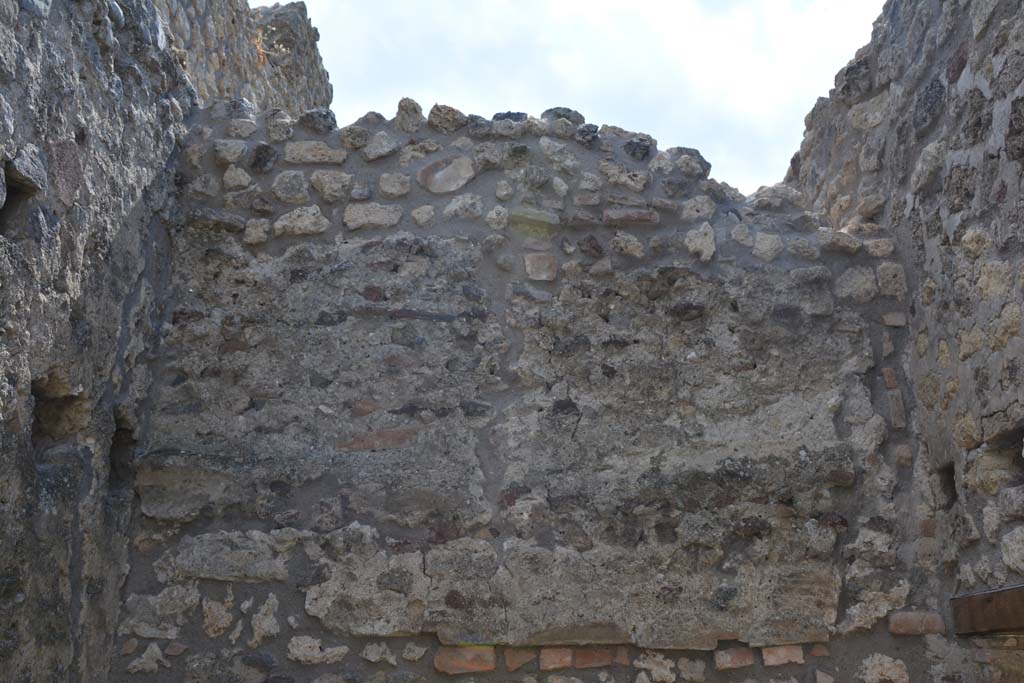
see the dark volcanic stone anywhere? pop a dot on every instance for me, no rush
(516, 116)
(320, 120)
(928, 105)
(573, 116)
(264, 157)
(638, 147)
(586, 134)
(478, 126)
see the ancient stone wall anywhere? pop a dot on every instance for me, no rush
(90, 111)
(517, 382)
(441, 397)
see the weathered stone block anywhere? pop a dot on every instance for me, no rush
(446, 175)
(306, 220)
(332, 185)
(372, 215)
(542, 267)
(701, 242)
(630, 215)
(291, 187)
(313, 152)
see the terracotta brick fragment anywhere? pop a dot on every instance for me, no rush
(622, 655)
(820, 650)
(915, 623)
(552, 658)
(593, 657)
(782, 654)
(518, 657)
(733, 658)
(373, 441)
(174, 649)
(362, 407)
(889, 375)
(465, 659)
(894, 319)
(897, 413)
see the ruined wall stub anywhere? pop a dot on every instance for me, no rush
(515, 381)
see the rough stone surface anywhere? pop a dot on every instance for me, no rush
(701, 242)
(882, 669)
(306, 220)
(332, 185)
(313, 152)
(309, 650)
(267, 55)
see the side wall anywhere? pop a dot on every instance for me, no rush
(92, 101)
(923, 140)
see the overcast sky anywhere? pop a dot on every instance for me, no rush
(733, 78)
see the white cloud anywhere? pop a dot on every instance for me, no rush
(733, 78)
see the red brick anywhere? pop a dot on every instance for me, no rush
(622, 655)
(375, 441)
(400, 360)
(734, 658)
(928, 527)
(889, 375)
(585, 198)
(820, 650)
(782, 654)
(518, 657)
(593, 657)
(362, 407)
(465, 659)
(915, 623)
(555, 658)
